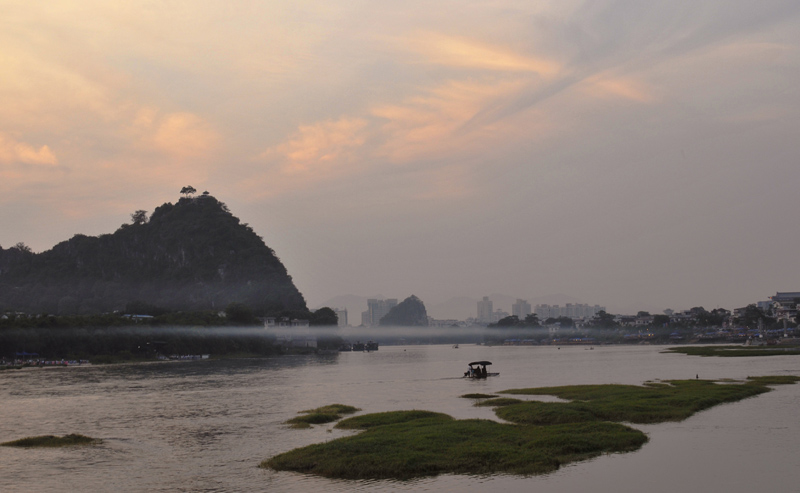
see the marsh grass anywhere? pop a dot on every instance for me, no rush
(544, 436)
(498, 402)
(673, 400)
(734, 351)
(51, 441)
(321, 415)
(478, 396)
(773, 380)
(407, 444)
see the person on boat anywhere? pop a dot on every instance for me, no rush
(484, 373)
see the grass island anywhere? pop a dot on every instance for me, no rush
(51, 441)
(540, 437)
(321, 415)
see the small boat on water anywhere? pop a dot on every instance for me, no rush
(455, 346)
(479, 370)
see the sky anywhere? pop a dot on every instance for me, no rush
(635, 155)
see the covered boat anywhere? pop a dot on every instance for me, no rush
(477, 369)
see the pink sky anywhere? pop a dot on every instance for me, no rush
(625, 153)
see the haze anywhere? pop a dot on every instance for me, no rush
(635, 155)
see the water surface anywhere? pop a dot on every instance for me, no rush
(206, 425)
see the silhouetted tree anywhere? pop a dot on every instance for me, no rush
(660, 320)
(324, 316)
(239, 313)
(22, 247)
(139, 217)
(188, 190)
(509, 321)
(603, 319)
(531, 320)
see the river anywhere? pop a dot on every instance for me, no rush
(206, 425)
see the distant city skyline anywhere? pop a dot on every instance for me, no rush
(464, 308)
(634, 155)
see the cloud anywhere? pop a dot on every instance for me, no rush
(454, 51)
(607, 86)
(321, 146)
(429, 123)
(184, 135)
(12, 151)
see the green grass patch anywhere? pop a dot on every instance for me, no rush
(375, 420)
(51, 441)
(773, 380)
(478, 396)
(734, 351)
(333, 409)
(321, 415)
(418, 443)
(674, 400)
(498, 402)
(543, 436)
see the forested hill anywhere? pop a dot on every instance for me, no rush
(193, 255)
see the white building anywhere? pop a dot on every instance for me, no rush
(341, 313)
(376, 310)
(571, 310)
(498, 315)
(521, 309)
(485, 311)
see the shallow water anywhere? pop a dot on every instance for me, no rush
(206, 425)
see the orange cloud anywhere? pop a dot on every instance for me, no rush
(184, 135)
(461, 52)
(605, 86)
(320, 146)
(13, 151)
(428, 124)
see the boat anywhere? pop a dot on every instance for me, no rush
(479, 371)
(455, 346)
(371, 346)
(359, 346)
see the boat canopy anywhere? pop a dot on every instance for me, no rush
(483, 363)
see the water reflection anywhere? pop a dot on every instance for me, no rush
(205, 425)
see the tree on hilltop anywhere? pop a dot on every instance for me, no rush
(139, 217)
(22, 247)
(188, 190)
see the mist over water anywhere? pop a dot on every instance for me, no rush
(206, 425)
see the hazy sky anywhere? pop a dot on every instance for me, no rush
(628, 153)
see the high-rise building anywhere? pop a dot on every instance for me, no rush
(376, 310)
(485, 311)
(341, 313)
(572, 310)
(521, 309)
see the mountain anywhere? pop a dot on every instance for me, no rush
(408, 313)
(193, 255)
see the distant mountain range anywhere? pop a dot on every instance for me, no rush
(193, 255)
